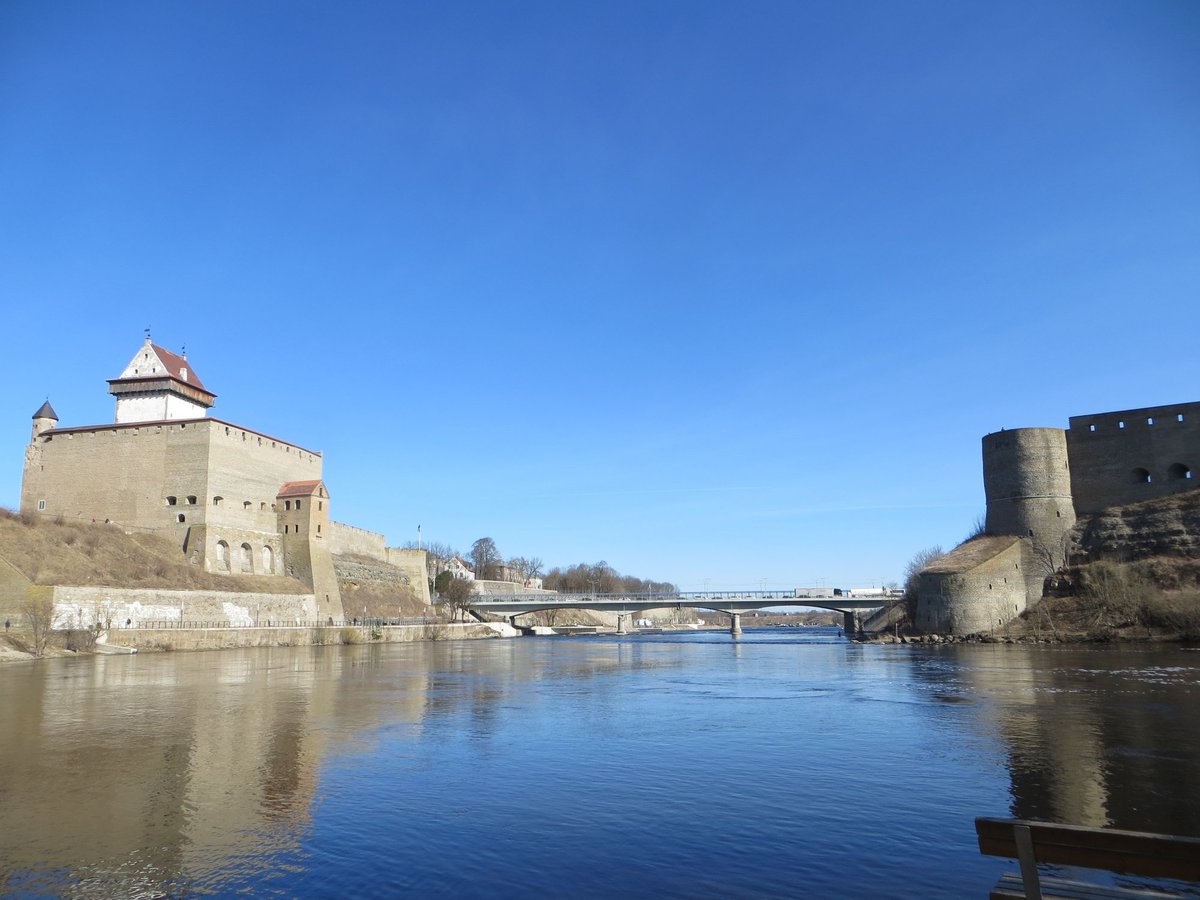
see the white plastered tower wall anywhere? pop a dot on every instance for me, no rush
(157, 386)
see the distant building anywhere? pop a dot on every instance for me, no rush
(460, 568)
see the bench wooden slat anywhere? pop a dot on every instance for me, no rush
(1124, 852)
(1011, 887)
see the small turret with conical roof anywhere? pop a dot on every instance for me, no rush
(44, 419)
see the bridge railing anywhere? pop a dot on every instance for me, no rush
(278, 623)
(680, 596)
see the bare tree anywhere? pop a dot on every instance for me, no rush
(38, 611)
(458, 596)
(921, 560)
(1051, 555)
(485, 558)
(602, 578)
(978, 528)
(526, 569)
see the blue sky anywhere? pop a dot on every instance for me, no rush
(721, 293)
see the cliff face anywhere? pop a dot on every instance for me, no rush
(1166, 527)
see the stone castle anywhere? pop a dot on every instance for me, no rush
(1037, 481)
(233, 499)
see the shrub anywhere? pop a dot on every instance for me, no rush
(1179, 614)
(351, 635)
(80, 640)
(1117, 590)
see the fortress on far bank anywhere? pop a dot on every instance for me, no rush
(233, 499)
(1037, 481)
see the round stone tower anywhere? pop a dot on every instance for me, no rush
(44, 419)
(1027, 482)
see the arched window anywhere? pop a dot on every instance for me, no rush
(171, 501)
(1140, 476)
(181, 517)
(1179, 471)
(247, 558)
(268, 561)
(191, 499)
(222, 555)
(217, 501)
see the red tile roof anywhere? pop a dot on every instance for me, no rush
(298, 488)
(176, 364)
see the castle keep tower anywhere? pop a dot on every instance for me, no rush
(1027, 483)
(158, 385)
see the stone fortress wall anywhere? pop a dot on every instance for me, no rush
(1036, 481)
(347, 539)
(977, 587)
(1141, 454)
(408, 567)
(197, 481)
(234, 500)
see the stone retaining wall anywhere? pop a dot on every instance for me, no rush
(83, 606)
(151, 639)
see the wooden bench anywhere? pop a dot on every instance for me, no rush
(1123, 852)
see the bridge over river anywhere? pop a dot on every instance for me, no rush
(731, 603)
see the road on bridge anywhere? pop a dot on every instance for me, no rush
(731, 603)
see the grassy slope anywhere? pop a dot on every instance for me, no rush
(46, 552)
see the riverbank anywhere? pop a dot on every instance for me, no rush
(161, 640)
(1062, 638)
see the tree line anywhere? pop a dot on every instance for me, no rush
(601, 578)
(490, 565)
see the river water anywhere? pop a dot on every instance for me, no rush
(788, 763)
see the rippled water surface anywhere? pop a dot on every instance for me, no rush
(788, 763)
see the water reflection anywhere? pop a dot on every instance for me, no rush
(217, 772)
(170, 766)
(157, 771)
(1097, 737)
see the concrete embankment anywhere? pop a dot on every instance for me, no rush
(152, 639)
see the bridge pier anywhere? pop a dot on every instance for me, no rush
(735, 624)
(622, 623)
(850, 624)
